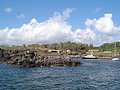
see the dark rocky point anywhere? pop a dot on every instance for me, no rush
(30, 58)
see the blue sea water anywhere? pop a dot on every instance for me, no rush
(91, 75)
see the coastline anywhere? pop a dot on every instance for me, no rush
(30, 58)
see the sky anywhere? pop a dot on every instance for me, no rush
(54, 21)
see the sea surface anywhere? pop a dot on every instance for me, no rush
(91, 75)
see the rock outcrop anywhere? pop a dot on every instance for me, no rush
(30, 58)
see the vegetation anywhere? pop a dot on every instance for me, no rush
(77, 48)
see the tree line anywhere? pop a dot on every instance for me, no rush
(79, 47)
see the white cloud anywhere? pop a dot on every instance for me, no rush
(56, 29)
(20, 16)
(97, 10)
(104, 28)
(66, 13)
(84, 36)
(104, 24)
(8, 10)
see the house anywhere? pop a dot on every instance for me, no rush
(93, 50)
(52, 50)
(69, 51)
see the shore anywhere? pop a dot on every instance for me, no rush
(30, 58)
(97, 57)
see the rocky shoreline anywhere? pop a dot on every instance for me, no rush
(30, 58)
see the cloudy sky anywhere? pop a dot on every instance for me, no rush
(54, 21)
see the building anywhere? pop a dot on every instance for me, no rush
(52, 50)
(93, 51)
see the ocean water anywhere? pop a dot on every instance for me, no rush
(91, 75)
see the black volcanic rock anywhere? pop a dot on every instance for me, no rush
(30, 58)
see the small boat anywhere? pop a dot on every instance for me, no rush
(89, 57)
(115, 58)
